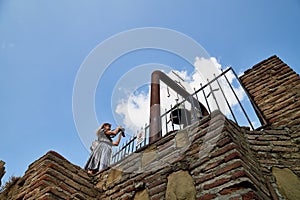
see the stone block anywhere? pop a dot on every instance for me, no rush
(149, 155)
(113, 176)
(182, 139)
(180, 186)
(141, 195)
(288, 183)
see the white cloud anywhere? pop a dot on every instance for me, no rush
(135, 109)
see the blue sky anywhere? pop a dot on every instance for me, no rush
(44, 43)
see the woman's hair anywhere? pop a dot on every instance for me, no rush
(101, 127)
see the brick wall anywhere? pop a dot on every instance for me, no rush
(224, 160)
(211, 159)
(215, 154)
(275, 89)
(52, 177)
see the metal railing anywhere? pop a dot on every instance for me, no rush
(130, 146)
(221, 93)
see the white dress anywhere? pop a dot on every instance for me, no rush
(100, 156)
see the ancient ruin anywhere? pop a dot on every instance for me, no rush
(212, 159)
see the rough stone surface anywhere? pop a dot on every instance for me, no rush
(148, 156)
(114, 175)
(2, 170)
(275, 89)
(182, 139)
(52, 177)
(219, 162)
(288, 183)
(221, 159)
(180, 186)
(142, 195)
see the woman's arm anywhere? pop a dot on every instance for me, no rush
(114, 132)
(116, 143)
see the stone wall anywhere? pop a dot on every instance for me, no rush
(51, 177)
(275, 89)
(252, 161)
(211, 159)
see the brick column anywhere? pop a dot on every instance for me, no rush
(275, 88)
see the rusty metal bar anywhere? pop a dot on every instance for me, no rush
(232, 114)
(204, 95)
(200, 112)
(213, 94)
(256, 109)
(166, 121)
(155, 101)
(155, 121)
(239, 102)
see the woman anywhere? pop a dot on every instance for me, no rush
(100, 156)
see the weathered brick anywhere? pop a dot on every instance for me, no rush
(158, 196)
(156, 190)
(238, 174)
(284, 149)
(267, 138)
(259, 143)
(262, 148)
(275, 132)
(229, 190)
(249, 196)
(224, 141)
(130, 188)
(166, 145)
(251, 137)
(156, 183)
(282, 143)
(126, 197)
(207, 197)
(294, 122)
(213, 165)
(283, 137)
(234, 198)
(118, 194)
(269, 161)
(218, 182)
(153, 177)
(199, 162)
(194, 150)
(204, 178)
(223, 150)
(229, 167)
(199, 135)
